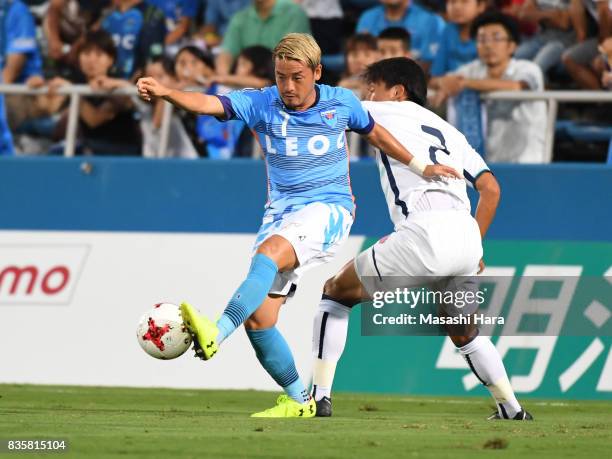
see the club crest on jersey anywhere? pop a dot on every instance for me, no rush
(329, 117)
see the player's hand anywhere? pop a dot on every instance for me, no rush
(481, 266)
(148, 87)
(440, 170)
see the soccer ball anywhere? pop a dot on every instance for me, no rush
(161, 332)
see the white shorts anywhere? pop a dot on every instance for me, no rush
(436, 249)
(316, 232)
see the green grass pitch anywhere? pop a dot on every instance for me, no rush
(163, 423)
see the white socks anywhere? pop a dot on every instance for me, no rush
(485, 362)
(328, 340)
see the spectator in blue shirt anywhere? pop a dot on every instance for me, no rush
(138, 31)
(179, 16)
(424, 26)
(19, 60)
(456, 45)
(457, 48)
(19, 54)
(217, 16)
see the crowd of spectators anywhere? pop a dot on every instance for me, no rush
(466, 47)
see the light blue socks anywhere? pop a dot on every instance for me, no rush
(249, 296)
(275, 356)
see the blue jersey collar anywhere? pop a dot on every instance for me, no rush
(317, 98)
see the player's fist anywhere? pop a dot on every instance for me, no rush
(149, 87)
(440, 170)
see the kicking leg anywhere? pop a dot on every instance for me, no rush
(273, 255)
(275, 356)
(340, 294)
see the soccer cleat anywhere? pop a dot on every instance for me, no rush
(324, 407)
(520, 416)
(203, 332)
(288, 408)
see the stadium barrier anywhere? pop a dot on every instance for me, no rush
(88, 245)
(553, 98)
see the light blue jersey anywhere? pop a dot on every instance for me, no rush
(305, 151)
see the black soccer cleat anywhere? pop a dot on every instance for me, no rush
(324, 407)
(520, 416)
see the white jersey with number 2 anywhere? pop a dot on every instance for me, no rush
(433, 141)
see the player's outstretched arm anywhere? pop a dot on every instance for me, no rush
(383, 140)
(195, 102)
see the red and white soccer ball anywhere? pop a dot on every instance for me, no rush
(161, 332)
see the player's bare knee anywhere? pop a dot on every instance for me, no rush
(259, 323)
(280, 251)
(270, 249)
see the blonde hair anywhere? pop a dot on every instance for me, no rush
(299, 47)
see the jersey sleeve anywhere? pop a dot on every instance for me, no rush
(20, 34)
(243, 105)
(473, 165)
(360, 119)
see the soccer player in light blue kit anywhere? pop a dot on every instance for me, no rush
(301, 128)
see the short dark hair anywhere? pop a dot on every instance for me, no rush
(99, 39)
(262, 60)
(166, 62)
(402, 71)
(493, 17)
(199, 54)
(361, 40)
(396, 33)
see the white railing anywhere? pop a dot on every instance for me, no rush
(553, 98)
(75, 92)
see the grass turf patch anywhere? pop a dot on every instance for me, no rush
(100, 422)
